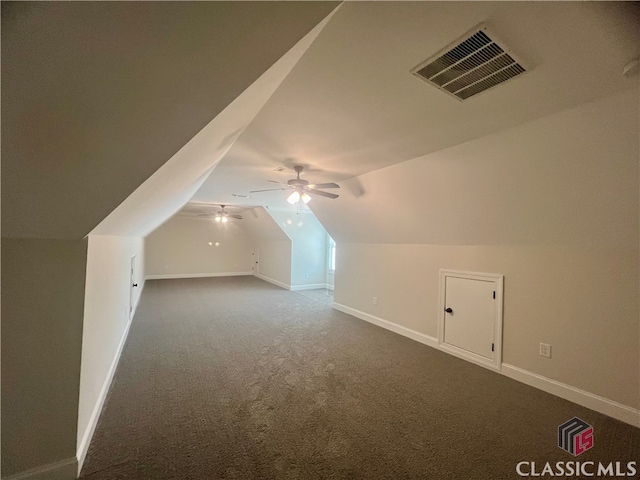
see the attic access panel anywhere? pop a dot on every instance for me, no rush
(475, 63)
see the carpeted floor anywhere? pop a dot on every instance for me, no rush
(234, 378)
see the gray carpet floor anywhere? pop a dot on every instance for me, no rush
(234, 378)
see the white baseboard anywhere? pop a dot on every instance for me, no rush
(275, 282)
(394, 327)
(82, 448)
(197, 275)
(581, 397)
(311, 286)
(329, 287)
(294, 288)
(62, 470)
(586, 399)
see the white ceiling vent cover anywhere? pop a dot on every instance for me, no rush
(470, 66)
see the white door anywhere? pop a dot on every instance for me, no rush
(132, 285)
(256, 262)
(471, 316)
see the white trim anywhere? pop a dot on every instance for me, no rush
(394, 327)
(470, 356)
(331, 275)
(62, 470)
(271, 280)
(586, 399)
(135, 307)
(131, 288)
(196, 275)
(497, 280)
(83, 447)
(311, 286)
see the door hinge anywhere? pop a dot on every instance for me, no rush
(492, 345)
(494, 295)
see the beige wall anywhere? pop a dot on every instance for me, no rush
(552, 205)
(275, 261)
(582, 302)
(190, 245)
(308, 246)
(273, 245)
(106, 320)
(292, 247)
(42, 306)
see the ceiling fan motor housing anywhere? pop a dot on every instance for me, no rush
(298, 182)
(302, 187)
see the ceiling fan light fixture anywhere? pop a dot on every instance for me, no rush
(301, 188)
(225, 219)
(294, 197)
(217, 218)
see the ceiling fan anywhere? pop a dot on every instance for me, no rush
(302, 188)
(222, 215)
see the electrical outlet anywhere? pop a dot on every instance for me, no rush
(545, 350)
(375, 300)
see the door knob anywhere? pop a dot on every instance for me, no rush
(448, 310)
(135, 284)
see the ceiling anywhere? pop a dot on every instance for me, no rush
(88, 118)
(97, 96)
(351, 105)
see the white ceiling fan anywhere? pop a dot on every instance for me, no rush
(302, 188)
(222, 215)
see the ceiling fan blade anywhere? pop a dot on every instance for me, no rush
(239, 217)
(279, 183)
(321, 193)
(267, 190)
(324, 185)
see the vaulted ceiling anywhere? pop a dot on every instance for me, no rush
(96, 96)
(351, 105)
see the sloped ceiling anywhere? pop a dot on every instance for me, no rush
(569, 179)
(261, 226)
(351, 105)
(98, 95)
(171, 186)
